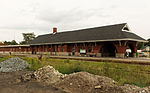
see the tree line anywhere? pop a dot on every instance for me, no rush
(140, 45)
(27, 37)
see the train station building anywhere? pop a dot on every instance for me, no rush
(105, 41)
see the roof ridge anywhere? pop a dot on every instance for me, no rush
(86, 28)
(97, 33)
(94, 27)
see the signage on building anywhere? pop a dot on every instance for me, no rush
(128, 50)
(82, 50)
(147, 48)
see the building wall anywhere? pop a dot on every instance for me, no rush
(15, 50)
(92, 49)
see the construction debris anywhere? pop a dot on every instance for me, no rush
(81, 82)
(46, 75)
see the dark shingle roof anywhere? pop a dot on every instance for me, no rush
(104, 33)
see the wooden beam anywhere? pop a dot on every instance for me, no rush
(119, 43)
(76, 44)
(95, 43)
(84, 44)
(125, 43)
(137, 43)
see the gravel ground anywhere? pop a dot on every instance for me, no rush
(13, 64)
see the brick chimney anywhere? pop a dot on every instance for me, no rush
(54, 30)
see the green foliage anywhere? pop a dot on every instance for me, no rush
(122, 73)
(13, 42)
(27, 37)
(148, 43)
(140, 45)
(23, 42)
(3, 59)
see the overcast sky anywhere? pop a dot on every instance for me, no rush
(40, 16)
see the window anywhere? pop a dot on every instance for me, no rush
(89, 50)
(125, 28)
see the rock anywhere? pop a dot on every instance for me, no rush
(27, 77)
(18, 80)
(70, 84)
(98, 87)
(46, 75)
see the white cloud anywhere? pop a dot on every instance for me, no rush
(40, 16)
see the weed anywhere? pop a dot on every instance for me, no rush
(123, 73)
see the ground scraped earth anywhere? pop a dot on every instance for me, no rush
(14, 78)
(9, 84)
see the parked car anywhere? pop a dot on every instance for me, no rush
(142, 54)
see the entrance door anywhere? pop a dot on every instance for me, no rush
(131, 52)
(108, 50)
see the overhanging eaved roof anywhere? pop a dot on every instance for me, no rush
(15, 46)
(97, 34)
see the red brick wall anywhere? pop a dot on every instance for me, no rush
(120, 48)
(97, 48)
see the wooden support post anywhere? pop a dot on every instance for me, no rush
(136, 43)
(119, 43)
(84, 44)
(125, 43)
(95, 43)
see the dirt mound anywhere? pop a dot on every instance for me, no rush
(84, 82)
(136, 89)
(81, 82)
(46, 75)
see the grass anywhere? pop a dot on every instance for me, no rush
(3, 59)
(122, 73)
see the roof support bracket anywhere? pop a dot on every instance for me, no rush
(84, 44)
(119, 43)
(95, 43)
(76, 44)
(137, 44)
(125, 43)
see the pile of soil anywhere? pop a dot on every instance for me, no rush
(81, 82)
(136, 89)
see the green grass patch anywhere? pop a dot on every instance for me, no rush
(3, 59)
(122, 73)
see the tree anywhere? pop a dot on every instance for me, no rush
(140, 45)
(148, 42)
(27, 37)
(22, 42)
(13, 42)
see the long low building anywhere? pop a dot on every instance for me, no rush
(15, 49)
(105, 41)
